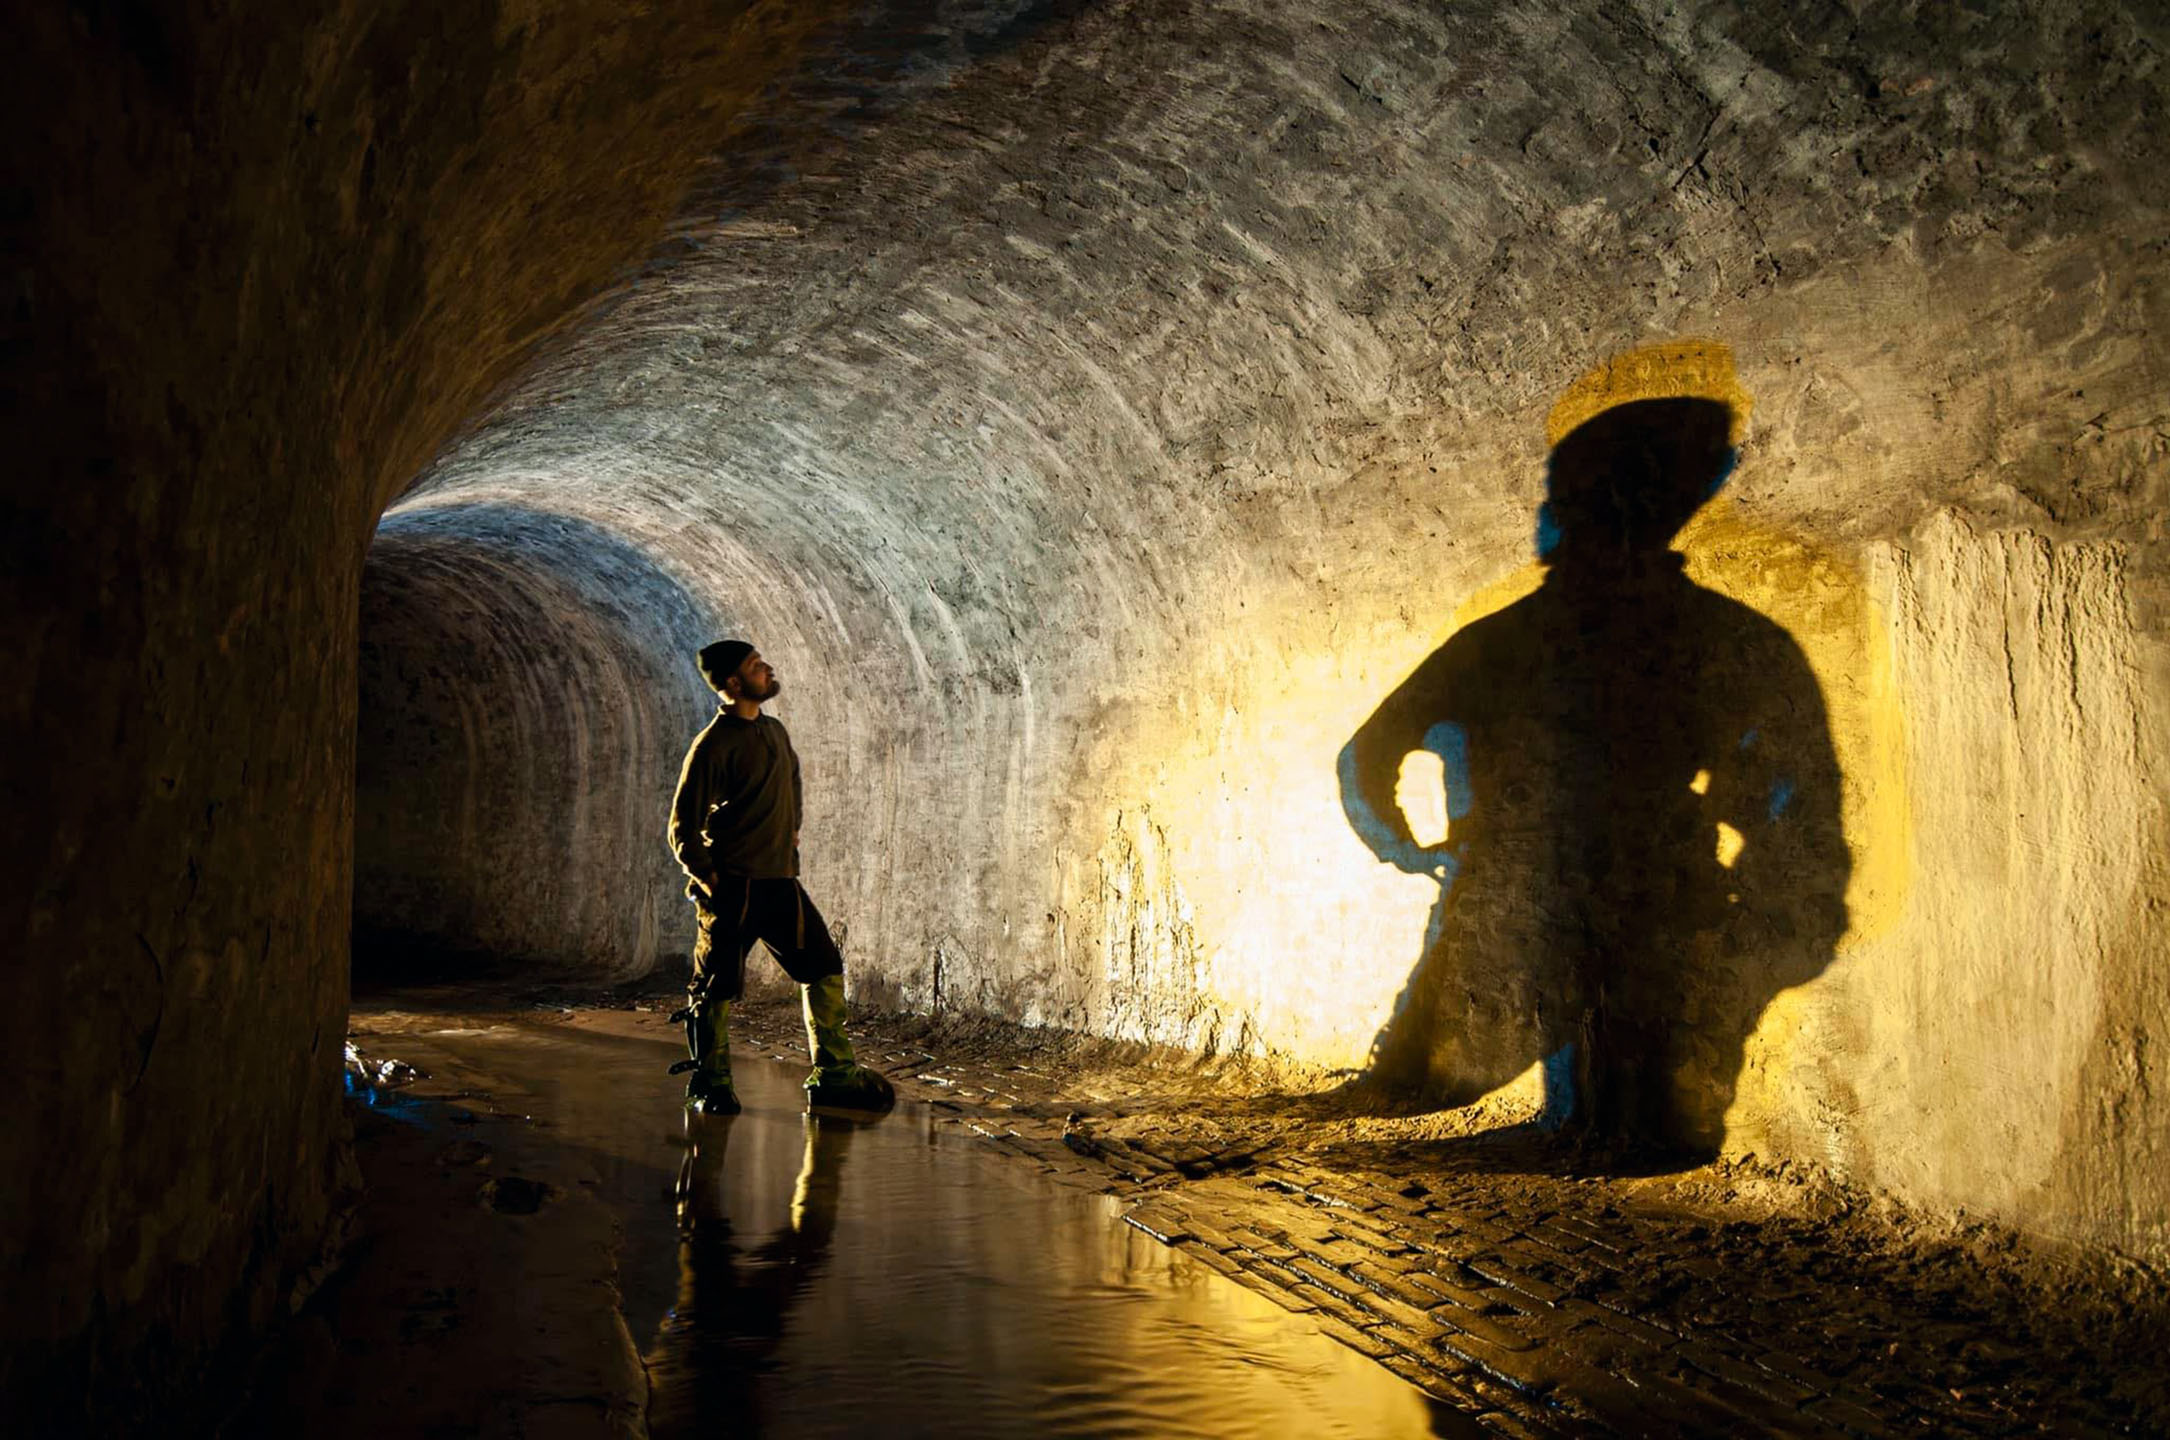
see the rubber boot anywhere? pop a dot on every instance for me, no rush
(838, 1079)
(708, 1088)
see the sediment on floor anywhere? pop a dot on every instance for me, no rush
(1545, 1290)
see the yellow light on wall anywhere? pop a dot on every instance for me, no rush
(1702, 369)
(1292, 930)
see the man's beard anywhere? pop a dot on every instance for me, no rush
(775, 685)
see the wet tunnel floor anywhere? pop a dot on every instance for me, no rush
(801, 1275)
(518, 1264)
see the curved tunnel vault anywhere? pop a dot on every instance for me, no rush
(521, 704)
(1093, 433)
(1095, 409)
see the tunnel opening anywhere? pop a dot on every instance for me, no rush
(522, 697)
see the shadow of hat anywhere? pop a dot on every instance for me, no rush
(1630, 476)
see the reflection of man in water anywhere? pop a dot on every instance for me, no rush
(1643, 843)
(733, 1301)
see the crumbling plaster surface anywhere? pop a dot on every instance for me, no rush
(1096, 435)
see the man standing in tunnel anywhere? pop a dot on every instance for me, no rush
(735, 829)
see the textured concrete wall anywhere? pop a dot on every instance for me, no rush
(1099, 430)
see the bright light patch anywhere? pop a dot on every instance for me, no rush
(1701, 783)
(1730, 844)
(1421, 791)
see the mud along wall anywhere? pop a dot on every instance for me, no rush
(1100, 434)
(261, 264)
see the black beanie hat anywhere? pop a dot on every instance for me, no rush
(720, 661)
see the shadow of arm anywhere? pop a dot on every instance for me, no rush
(1369, 769)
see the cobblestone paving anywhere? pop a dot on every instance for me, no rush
(1538, 1301)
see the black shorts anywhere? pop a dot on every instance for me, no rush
(780, 914)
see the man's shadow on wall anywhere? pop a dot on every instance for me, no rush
(1643, 844)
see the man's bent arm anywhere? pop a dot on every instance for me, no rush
(689, 817)
(1413, 718)
(1370, 768)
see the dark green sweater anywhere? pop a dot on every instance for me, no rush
(737, 809)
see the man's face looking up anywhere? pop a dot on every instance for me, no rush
(756, 680)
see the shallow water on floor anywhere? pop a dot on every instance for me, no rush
(803, 1276)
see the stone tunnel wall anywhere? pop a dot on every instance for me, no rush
(1100, 432)
(261, 264)
(522, 704)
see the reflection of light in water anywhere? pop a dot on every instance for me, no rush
(929, 1287)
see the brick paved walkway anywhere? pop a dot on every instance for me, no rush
(1538, 1301)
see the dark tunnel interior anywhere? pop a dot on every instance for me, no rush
(522, 697)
